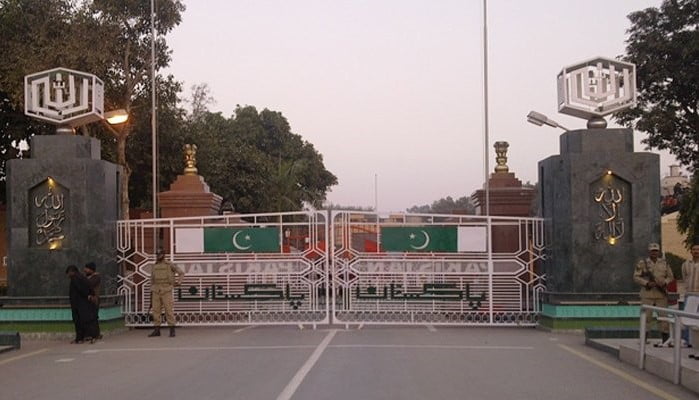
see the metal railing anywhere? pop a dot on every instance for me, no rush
(677, 335)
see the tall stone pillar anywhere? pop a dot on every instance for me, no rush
(507, 197)
(62, 208)
(600, 201)
(189, 195)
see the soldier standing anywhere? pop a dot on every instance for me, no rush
(653, 275)
(163, 277)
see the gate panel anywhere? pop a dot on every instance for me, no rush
(436, 269)
(239, 269)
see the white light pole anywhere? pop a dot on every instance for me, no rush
(153, 120)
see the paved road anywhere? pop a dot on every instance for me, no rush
(288, 363)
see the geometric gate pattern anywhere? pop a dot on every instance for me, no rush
(339, 267)
(466, 287)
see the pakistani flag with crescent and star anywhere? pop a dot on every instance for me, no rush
(227, 240)
(241, 240)
(433, 238)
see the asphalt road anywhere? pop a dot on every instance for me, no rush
(289, 363)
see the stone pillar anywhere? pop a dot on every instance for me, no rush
(189, 195)
(507, 198)
(600, 201)
(62, 208)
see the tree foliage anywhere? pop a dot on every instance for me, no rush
(446, 205)
(254, 161)
(110, 39)
(664, 44)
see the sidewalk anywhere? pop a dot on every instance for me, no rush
(659, 360)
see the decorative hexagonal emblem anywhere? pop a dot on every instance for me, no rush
(64, 97)
(596, 87)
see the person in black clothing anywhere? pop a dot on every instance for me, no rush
(84, 311)
(93, 277)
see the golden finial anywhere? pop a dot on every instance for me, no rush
(190, 159)
(501, 159)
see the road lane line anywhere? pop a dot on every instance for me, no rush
(139, 349)
(431, 346)
(65, 360)
(295, 382)
(243, 329)
(621, 374)
(9, 360)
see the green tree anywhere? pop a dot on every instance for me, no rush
(446, 205)
(664, 44)
(110, 39)
(254, 161)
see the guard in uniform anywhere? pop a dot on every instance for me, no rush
(163, 277)
(653, 274)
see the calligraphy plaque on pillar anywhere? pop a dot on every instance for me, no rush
(48, 218)
(610, 209)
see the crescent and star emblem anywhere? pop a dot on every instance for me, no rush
(422, 246)
(237, 245)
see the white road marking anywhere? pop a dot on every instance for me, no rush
(15, 358)
(65, 360)
(553, 339)
(140, 349)
(295, 382)
(431, 346)
(431, 328)
(243, 329)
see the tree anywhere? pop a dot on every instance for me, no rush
(688, 219)
(446, 205)
(254, 161)
(107, 38)
(664, 44)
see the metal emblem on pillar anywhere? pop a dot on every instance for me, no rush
(597, 87)
(64, 97)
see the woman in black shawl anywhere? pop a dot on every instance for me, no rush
(84, 311)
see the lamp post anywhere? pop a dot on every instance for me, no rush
(540, 119)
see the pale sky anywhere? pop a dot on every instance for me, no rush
(394, 88)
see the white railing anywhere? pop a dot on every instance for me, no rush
(677, 315)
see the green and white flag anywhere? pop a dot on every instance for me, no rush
(227, 240)
(445, 239)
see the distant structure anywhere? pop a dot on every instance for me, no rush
(670, 182)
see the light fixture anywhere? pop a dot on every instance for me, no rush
(116, 117)
(611, 241)
(539, 119)
(609, 172)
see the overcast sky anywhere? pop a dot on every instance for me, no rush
(394, 88)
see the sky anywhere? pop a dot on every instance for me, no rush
(390, 92)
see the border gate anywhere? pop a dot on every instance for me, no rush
(344, 267)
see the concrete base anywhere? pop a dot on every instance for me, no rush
(658, 359)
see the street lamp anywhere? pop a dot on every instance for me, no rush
(116, 117)
(540, 119)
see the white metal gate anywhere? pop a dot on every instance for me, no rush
(377, 279)
(339, 267)
(229, 282)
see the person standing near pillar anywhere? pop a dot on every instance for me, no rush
(163, 277)
(653, 274)
(95, 280)
(690, 277)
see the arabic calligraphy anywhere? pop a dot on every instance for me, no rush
(50, 214)
(430, 292)
(251, 292)
(611, 226)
